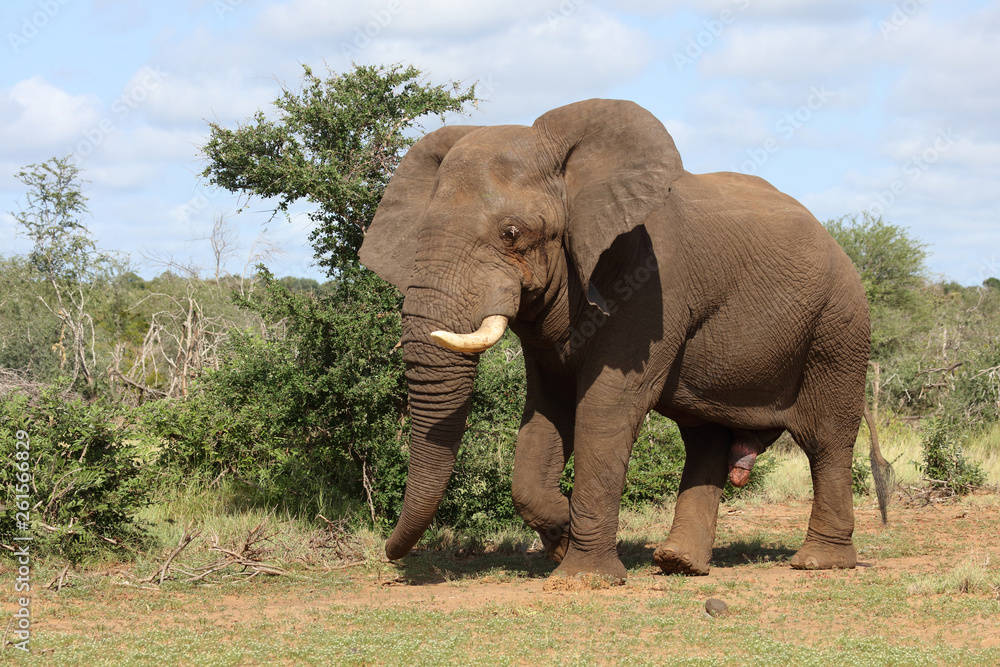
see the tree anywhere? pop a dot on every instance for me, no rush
(65, 265)
(322, 389)
(335, 143)
(892, 264)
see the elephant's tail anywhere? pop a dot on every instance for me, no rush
(882, 473)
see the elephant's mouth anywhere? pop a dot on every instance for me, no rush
(488, 334)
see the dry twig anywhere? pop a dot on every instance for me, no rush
(186, 538)
(58, 582)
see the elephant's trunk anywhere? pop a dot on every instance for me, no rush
(440, 386)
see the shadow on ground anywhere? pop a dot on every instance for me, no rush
(432, 565)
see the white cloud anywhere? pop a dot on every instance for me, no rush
(947, 75)
(771, 10)
(526, 69)
(793, 53)
(37, 117)
(208, 96)
(464, 21)
(892, 94)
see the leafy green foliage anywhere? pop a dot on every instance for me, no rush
(52, 220)
(29, 333)
(861, 473)
(335, 143)
(317, 402)
(64, 269)
(654, 471)
(657, 462)
(891, 262)
(976, 397)
(892, 266)
(89, 479)
(323, 390)
(945, 466)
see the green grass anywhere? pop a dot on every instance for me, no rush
(479, 599)
(652, 620)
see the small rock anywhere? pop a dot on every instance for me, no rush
(715, 607)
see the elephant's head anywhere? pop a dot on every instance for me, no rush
(481, 225)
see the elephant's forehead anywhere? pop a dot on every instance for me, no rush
(492, 158)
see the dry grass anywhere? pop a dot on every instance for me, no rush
(984, 448)
(979, 574)
(900, 442)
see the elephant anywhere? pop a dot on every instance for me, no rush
(633, 285)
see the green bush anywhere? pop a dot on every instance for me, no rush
(944, 464)
(316, 405)
(656, 465)
(976, 398)
(88, 475)
(654, 471)
(861, 472)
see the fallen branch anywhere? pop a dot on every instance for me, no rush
(58, 581)
(943, 369)
(186, 538)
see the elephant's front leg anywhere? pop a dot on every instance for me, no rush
(688, 548)
(603, 442)
(544, 444)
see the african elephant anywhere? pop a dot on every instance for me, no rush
(633, 285)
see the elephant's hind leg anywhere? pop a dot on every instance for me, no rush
(688, 548)
(828, 413)
(827, 437)
(828, 543)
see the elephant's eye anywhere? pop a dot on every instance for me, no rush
(510, 234)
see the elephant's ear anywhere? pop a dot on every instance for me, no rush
(619, 162)
(390, 242)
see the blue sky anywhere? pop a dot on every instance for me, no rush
(892, 107)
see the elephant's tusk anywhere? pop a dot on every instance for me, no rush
(490, 331)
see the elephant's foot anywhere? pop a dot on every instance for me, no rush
(817, 556)
(583, 566)
(674, 559)
(555, 541)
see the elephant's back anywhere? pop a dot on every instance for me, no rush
(764, 275)
(739, 234)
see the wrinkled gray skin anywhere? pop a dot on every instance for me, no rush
(633, 285)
